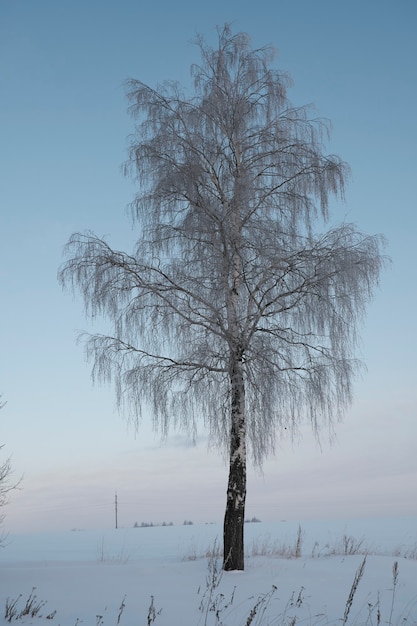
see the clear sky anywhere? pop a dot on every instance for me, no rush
(63, 139)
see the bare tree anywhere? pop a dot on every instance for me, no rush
(233, 307)
(6, 485)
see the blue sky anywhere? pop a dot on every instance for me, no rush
(63, 139)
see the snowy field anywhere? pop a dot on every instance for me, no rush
(168, 576)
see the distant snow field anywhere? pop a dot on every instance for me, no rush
(312, 573)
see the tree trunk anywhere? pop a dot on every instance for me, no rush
(234, 519)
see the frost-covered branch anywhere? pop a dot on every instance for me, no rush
(238, 306)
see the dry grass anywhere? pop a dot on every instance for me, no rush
(261, 546)
(217, 608)
(31, 608)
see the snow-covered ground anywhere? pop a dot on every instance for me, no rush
(110, 577)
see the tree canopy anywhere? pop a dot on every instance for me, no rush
(239, 305)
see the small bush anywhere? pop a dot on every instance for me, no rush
(346, 546)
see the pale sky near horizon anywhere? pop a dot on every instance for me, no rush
(63, 139)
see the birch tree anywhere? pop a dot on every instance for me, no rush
(239, 305)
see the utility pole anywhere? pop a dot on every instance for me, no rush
(115, 506)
